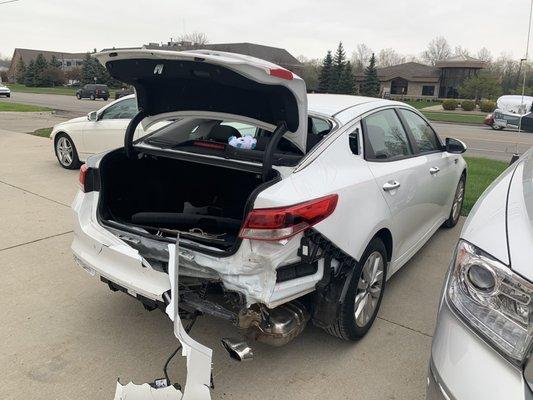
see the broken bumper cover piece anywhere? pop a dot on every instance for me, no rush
(198, 356)
(145, 391)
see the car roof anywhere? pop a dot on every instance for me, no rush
(334, 104)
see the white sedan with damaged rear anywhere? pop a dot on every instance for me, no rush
(284, 207)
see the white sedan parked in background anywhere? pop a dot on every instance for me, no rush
(484, 335)
(101, 130)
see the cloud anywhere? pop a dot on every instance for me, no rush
(302, 27)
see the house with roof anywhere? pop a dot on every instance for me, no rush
(275, 55)
(68, 60)
(419, 81)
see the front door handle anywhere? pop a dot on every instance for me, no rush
(391, 185)
(434, 170)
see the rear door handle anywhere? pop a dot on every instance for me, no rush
(434, 170)
(391, 185)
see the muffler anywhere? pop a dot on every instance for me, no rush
(238, 349)
(280, 325)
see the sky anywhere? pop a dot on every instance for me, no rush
(308, 28)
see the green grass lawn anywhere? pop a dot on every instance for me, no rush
(8, 106)
(43, 132)
(67, 91)
(449, 117)
(17, 87)
(481, 173)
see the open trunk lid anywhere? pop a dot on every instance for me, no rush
(203, 82)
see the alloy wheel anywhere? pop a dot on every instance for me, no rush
(369, 289)
(458, 200)
(64, 151)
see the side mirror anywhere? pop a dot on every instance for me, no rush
(455, 146)
(92, 116)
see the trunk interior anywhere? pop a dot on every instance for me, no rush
(163, 196)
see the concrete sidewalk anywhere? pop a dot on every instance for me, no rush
(66, 336)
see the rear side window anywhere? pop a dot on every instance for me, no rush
(385, 137)
(425, 138)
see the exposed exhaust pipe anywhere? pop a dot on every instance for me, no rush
(238, 349)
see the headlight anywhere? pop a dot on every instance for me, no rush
(494, 300)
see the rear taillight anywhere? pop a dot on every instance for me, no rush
(281, 73)
(83, 176)
(284, 222)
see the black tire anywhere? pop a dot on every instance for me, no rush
(453, 217)
(92, 97)
(78, 96)
(60, 140)
(497, 128)
(105, 98)
(8, 95)
(346, 326)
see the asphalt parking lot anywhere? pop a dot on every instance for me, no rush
(67, 336)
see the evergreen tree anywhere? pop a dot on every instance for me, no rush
(29, 77)
(40, 66)
(347, 80)
(371, 84)
(338, 65)
(325, 73)
(91, 69)
(20, 71)
(55, 62)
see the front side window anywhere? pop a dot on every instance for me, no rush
(385, 137)
(425, 138)
(125, 109)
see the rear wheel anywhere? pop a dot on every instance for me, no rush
(78, 96)
(92, 97)
(458, 199)
(363, 298)
(66, 152)
(105, 98)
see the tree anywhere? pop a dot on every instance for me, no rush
(54, 62)
(29, 76)
(53, 76)
(94, 72)
(461, 51)
(73, 74)
(480, 86)
(360, 57)
(325, 73)
(371, 85)
(347, 80)
(389, 57)
(310, 72)
(20, 71)
(339, 60)
(484, 55)
(196, 38)
(40, 66)
(438, 49)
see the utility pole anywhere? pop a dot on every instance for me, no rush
(525, 67)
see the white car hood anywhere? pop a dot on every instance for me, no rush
(501, 222)
(201, 81)
(520, 218)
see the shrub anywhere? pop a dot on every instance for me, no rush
(468, 105)
(449, 104)
(487, 106)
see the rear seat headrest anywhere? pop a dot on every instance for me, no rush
(221, 133)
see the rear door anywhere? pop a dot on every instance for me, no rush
(107, 132)
(439, 172)
(392, 159)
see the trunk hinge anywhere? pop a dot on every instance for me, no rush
(130, 132)
(281, 129)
